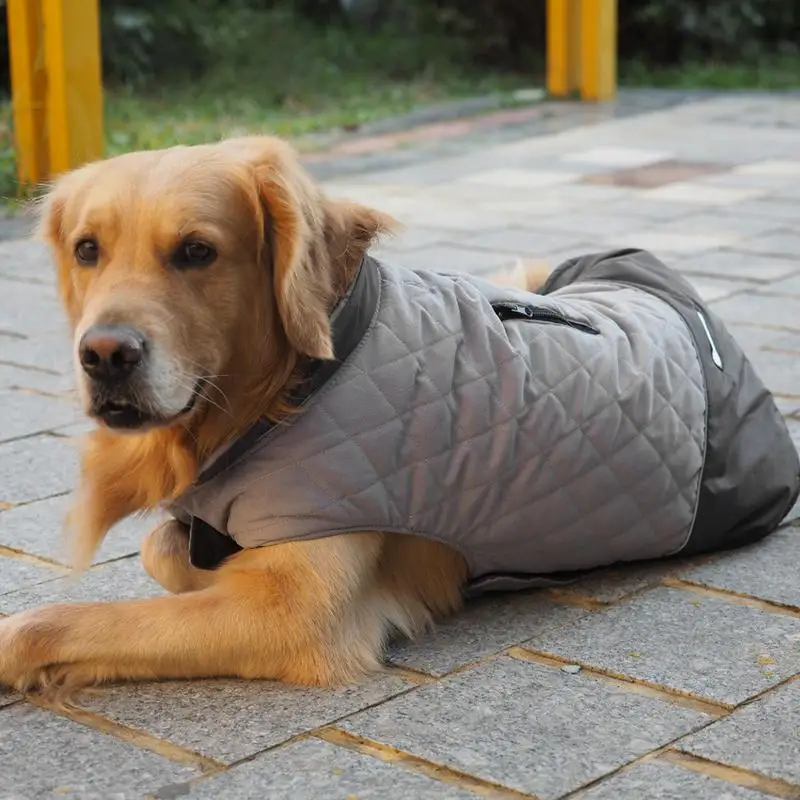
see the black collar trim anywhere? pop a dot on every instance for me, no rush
(349, 322)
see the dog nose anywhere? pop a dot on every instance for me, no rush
(111, 352)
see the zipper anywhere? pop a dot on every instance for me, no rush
(510, 310)
(715, 356)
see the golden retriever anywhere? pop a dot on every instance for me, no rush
(216, 350)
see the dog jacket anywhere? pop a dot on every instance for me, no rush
(611, 418)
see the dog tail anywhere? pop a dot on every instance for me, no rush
(527, 275)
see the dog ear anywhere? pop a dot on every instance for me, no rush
(49, 210)
(311, 240)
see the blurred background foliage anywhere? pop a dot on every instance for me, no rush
(194, 70)
(146, 42)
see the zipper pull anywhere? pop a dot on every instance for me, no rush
(715, 356)
(513, 309)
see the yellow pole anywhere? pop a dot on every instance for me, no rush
(28, 89)
(598, 59)
(74, 82)
(563, 46)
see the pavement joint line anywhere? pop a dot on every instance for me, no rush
(760, 326)
(784, 351)
(737, 598)
(60, 396)
(422, 678)
(410, 674)
(786, 293)
(39, 561)
(142, 739)
(755, 283)
(33, 435)
(668, 752)
(29, 367)
(712, 708)
(627, 767)
(28, 281)
(793, 526)
(21, 337)
(430, 769)
(298, 737)
(774, 787)
(570, 598)
(65, 437)
(4, 506)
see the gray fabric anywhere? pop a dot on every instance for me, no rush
(530, 447)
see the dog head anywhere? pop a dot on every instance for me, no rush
(195, 278)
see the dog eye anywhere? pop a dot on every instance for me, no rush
(87, 252)
(193, 254)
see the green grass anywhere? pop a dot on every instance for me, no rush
(271, 73)
(193, 115)
(770, 72)
(268, 72)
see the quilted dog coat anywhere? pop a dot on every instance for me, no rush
(611, 418)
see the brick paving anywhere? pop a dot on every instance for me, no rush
(670, 680)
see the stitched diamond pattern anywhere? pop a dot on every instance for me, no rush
(530, 447)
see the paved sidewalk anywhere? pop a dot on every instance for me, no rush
(658, 681)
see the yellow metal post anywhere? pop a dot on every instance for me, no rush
(74, 83)
(598, 59)
(28, 89)
(563, 46)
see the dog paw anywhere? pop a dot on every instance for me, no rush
(26, 640)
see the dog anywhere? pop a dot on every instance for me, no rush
(209, 291)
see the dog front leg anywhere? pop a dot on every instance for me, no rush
(293, 620)
(165, 556)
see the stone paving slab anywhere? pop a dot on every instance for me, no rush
(26, 414)
(45, 756)
(659, 780)
(682, 640)
(36, 468)
(768, 570)
(25, 380)
(37, 528)
(783, 244)
(717, 222)
(117, 580)
(414, 239)
(25, 260)
(761, 309)
(49, 349)
(761, 736)
(710, 184)
(735, 264)
(774, 211)
(488, 625)
(612, 584)
(533, 728)
(454, 258)
(316, 770)
(596, 224)
(19, 298)
(230, 720)
(789, 286)
(17, 574)
(526, 242)
(713, 289)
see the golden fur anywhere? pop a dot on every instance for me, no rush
(316, 612)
